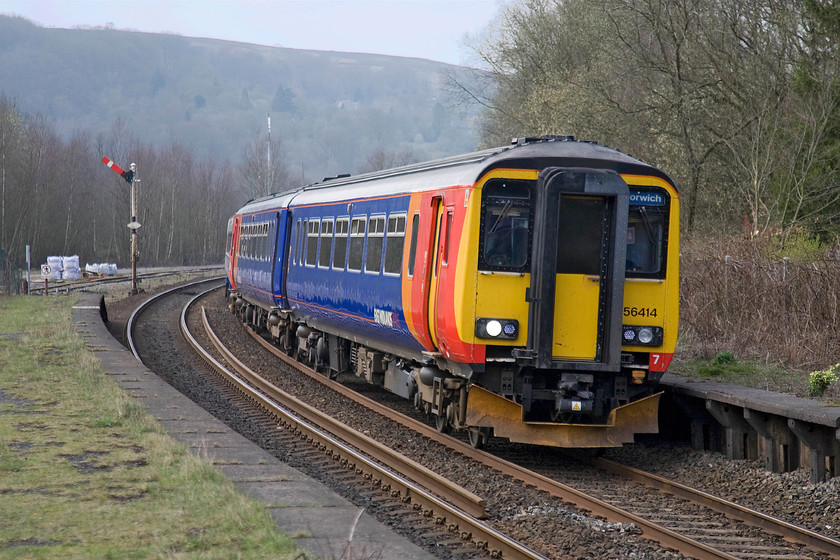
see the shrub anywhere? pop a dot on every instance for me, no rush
(819, 381)
(725, 358)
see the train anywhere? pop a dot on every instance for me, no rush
(527, 292)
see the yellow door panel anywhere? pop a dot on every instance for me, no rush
(502, 296)
(576, 317)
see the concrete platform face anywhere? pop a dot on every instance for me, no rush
(323, 523)
(779, 404)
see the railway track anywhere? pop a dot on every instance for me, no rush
(706, 533)
(94, 283)
(450, 506)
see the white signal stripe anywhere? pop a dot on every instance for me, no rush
(112, 165)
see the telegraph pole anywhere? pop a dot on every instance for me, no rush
(269, 175)
(131, 179)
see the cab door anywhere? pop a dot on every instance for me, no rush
(579, 295)
(233, 274)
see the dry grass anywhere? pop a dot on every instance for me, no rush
(781, 317)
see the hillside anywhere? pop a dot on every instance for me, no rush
(330, 110)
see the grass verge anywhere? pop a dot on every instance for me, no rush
(86, 473)
(728, 368)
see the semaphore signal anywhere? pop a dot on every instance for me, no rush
(127, 175)
(134, 224)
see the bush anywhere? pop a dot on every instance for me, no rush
(819, 381)
(725, 358)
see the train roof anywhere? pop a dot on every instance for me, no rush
(466, 169)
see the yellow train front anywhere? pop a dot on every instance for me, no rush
(559, 314)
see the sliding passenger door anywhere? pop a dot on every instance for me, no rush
(280, 264)
(436, 255)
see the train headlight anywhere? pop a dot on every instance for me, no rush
(506, 329)
(642, 336)
(646, 335)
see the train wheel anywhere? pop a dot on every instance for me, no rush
(478, 436)
(442, 425)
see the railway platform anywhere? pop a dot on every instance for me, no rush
(746, 423)
(323, 523)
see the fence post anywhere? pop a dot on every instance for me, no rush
(728, 261)
(28, 267)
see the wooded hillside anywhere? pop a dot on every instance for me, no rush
(329, 110)
(192, 113)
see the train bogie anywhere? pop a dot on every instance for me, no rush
(529, 292)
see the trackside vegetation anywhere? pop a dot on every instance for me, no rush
(756, 314)
(85, 472)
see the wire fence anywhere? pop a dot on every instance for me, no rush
(776, 311)
(11, 279)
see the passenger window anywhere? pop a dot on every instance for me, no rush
(375, 241)
(357, 244)
(266, 244)
(245, 234)
(449, 218)
(326, 243)
(342, 227)
(250, 247)
(412, 252)
(312, 242)
(394, 243)
(303, 238)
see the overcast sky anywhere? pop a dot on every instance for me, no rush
(432, 29)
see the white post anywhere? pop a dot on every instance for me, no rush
(134, 226)
(28, 266)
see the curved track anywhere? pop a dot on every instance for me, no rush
(451, 507)
(459, 509)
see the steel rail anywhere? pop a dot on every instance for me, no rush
(466, 524)
(132, 319)
(87, 282)
(788, 531)
(460, 497)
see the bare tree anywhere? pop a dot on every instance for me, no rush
(383, 158)
(260, 176)
(704, 89)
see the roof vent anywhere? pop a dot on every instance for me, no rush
(339, 176)
(544, 138)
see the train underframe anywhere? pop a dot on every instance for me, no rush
(545, 407)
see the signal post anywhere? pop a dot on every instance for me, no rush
(130, 177)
